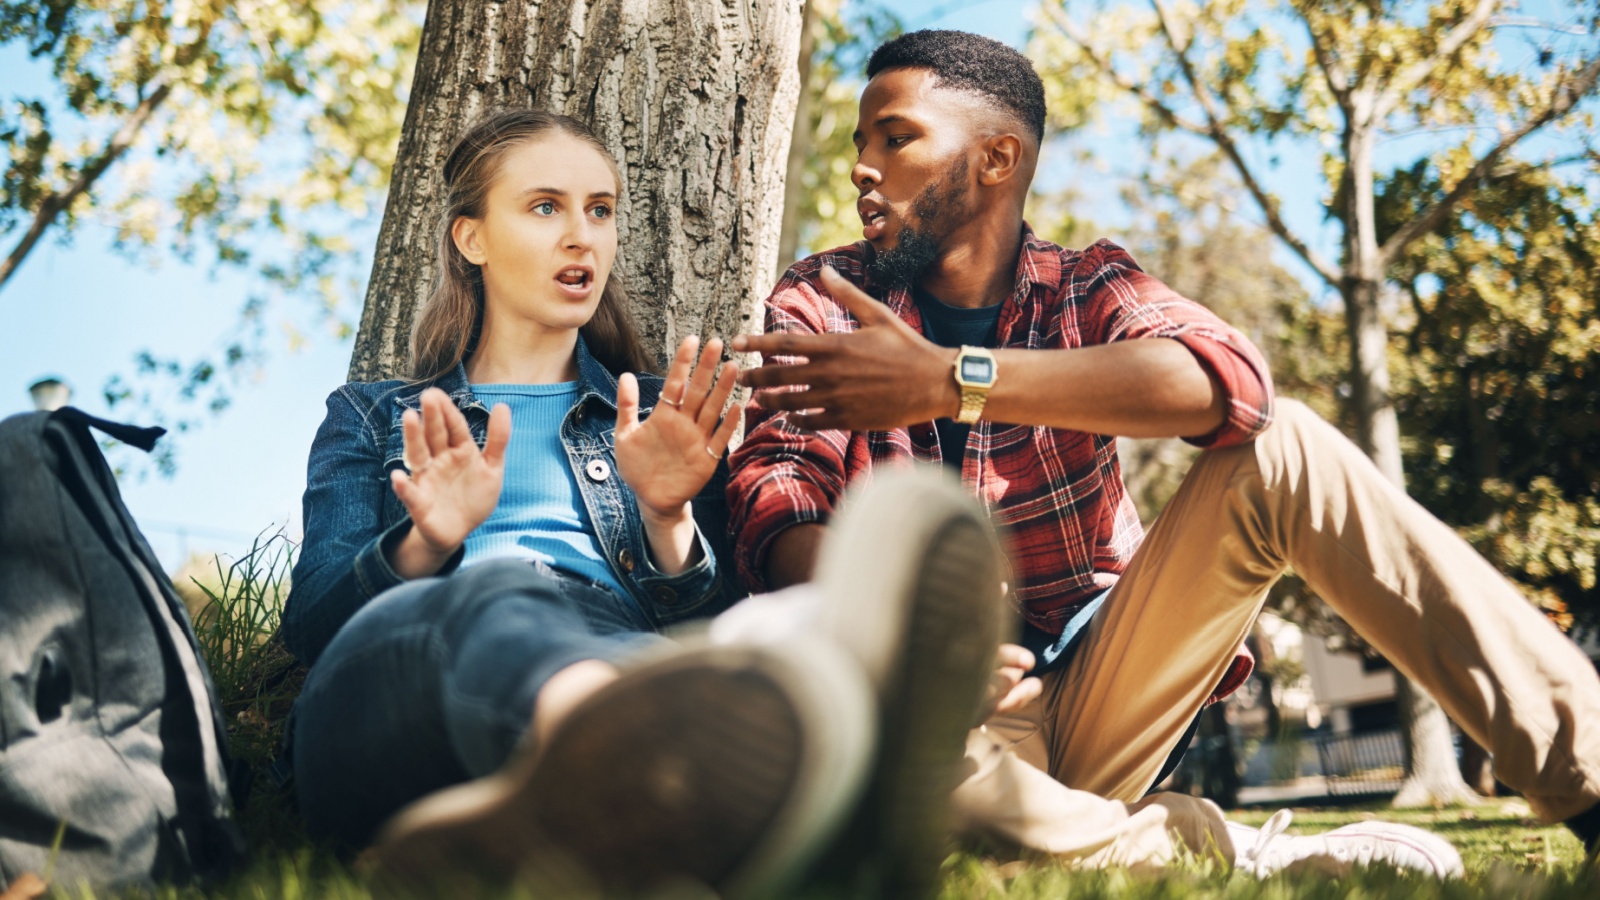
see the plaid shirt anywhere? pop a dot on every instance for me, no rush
(1058, 494)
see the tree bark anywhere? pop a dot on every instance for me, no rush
(694, 97)
(1432, 775)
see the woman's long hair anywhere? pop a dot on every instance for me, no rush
(451, 321)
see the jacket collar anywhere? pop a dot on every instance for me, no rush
(594, 381)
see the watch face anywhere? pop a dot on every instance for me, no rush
(977, 370)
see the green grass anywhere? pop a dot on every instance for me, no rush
(1506, 853)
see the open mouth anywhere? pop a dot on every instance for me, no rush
(575, 278)
(873, 223)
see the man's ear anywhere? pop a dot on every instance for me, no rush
(1002, 159)
(464, 232)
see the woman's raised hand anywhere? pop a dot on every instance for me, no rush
(452, 486)
(670, 456)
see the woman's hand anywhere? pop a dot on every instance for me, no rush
(669, 457)
(452, 487)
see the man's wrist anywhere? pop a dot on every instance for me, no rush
(949, 392)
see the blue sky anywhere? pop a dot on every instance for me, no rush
(80, 312)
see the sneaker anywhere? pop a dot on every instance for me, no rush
(909, 577)
(725, 769)
(1335, 853)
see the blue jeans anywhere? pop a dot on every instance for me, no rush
(433, 683)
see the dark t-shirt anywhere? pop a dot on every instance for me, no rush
(955, 326)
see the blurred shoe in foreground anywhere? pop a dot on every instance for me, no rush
(909, 582)
(720, 768)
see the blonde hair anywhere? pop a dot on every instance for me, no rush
(447, 330)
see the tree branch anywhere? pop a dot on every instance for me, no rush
(1333, 73)
(1103, 65)
(1415, 74)
(1219, 135)
(1566, 97)
(58, 201)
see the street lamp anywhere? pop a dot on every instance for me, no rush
(50, 394)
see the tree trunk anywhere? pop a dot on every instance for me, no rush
(801, 141)
(694, 97)
(1432, 776)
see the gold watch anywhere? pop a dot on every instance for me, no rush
(975, 372)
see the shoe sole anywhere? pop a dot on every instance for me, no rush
(722, 767)
(911, 575)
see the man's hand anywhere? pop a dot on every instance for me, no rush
(884, 375)
(1009, 688)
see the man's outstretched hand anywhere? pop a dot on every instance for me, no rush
(884, 375)
(1010, 687)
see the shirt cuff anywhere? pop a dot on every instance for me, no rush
(376, 575)
(688, 589)
(1247, 400)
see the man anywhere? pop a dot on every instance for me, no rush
(994, 351)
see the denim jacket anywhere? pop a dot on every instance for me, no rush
(352, 516)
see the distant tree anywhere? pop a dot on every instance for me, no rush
(206, 129)
(1335, 78)
(695, 99)
(1497, 377)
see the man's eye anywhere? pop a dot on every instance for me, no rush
(897, 140)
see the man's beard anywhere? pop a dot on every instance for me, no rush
(934, 214)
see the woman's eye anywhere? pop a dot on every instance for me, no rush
(602, 212)
(898, 140)
(545, 209)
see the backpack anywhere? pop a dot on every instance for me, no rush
(110, 729)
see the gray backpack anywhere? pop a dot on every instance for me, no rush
(110, 732)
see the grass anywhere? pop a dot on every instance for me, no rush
(235, 608)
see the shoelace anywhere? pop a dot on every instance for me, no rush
(1254, 858)
(1274, 850)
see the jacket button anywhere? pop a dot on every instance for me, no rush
(624, 556)
(597, 470)
(666, 595)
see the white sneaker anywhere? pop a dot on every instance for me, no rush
(1336, 852)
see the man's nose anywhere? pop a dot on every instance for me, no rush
(864, 176)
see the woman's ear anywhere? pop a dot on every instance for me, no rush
(464, 232)
(1002, 158)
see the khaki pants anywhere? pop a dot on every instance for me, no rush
(1299, 495)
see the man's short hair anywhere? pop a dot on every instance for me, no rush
(972, 63)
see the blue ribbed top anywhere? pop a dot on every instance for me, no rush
(541, 513)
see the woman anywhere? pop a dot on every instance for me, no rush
(457, 603)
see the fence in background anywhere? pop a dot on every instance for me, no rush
(1371, 762)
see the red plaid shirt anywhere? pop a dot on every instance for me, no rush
(1058, 494)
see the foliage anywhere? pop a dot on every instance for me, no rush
(1498, 378)
(208, 130)
(236, 609)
